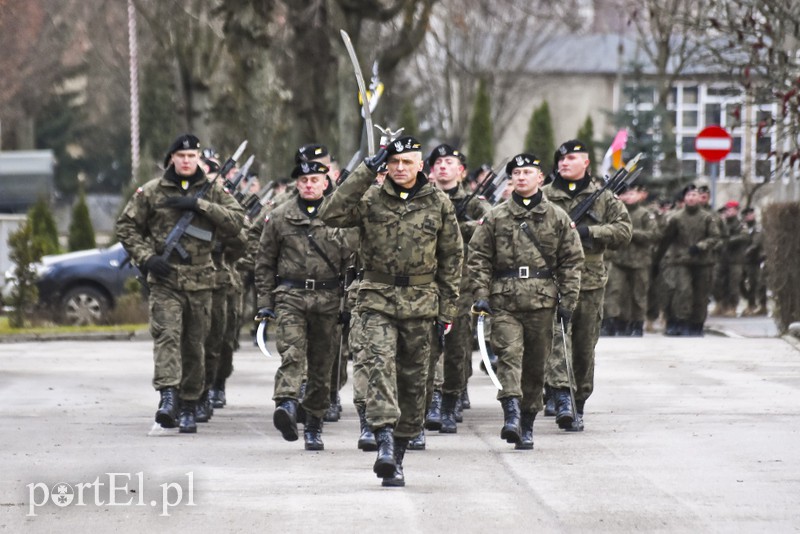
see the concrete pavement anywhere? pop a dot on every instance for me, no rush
(682, 434)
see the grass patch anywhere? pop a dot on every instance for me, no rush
(53, 328)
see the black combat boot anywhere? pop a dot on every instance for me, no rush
(301, 413)
(549, 401)
(366, 441)
(459, 413)
(623, 328)
(417, 443)
(433, 417)
(218, 400)
(608, 327)
(674, 327)
(167, 413)
(449, 425)
(564, 414)
(511, 425)
(385, 462)
(333, 411)
(313, 433)
(526, 440)
(397, 480)
(465, 403)
(637, 328)
(693, 329)
(201, 410)
(285, 419)
(577, 424)
(187, 424)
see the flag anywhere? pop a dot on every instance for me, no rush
(613, 156)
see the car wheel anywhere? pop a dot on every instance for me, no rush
(84, 305)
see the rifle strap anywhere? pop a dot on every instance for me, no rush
(538, 246)
(318, 250)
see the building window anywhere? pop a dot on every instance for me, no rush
(687, 144)
(713, 114)
(733, 168)
(763, 169)
(689, 119)
(690, 95)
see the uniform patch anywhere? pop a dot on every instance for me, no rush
(403, 195)
(572, 225)
(139, 191)
(480, 221)
(184, 184)
(266, 219)
(572, 186)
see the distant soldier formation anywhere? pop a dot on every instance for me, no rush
(396, 263)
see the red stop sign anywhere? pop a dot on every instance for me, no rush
(713, 143)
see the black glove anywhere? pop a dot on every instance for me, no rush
(180, 203)
(563, 314)
(344, 318)
(481, 305)
(583, 231)
(158, 266)
(694, 250)
(374, 163)
(265, 314)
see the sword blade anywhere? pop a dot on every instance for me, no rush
(362, 89)
(260, 339)
(485, 352)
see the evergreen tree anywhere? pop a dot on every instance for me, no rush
(481, 138)
(81, 231)
(540, 139)
(43, 227)
(25, 251)
(586, 134)
(408, 119)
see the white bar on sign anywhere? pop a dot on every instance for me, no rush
(713, 143)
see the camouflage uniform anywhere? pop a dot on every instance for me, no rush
(730, 265)
(456, 359)
(629, 275)
(612, 231)
(688, 270)
(412, 255)
(180, 303)
(294, 280)
(515, 276)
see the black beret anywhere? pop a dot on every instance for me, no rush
(309, 167)
(573, 145)
(403, 144)
(310, 151)
(522, 160)
(444, 150)
(183, 142)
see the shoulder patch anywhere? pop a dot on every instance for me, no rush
(480, 221)
(572, 224)
(481, 197)
(266, 219)
(139, 190)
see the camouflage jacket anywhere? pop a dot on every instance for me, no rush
(612, 231)
(736, 242)
(418, 237)
(143, 226)
(687, 228)
(474, 210)
(285, 252)
(638, 254)
(500, 246)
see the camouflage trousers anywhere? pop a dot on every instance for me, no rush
(626, 293)
(355, 343)
(728, 283)
(233, 325)
(340, 364)
(449, 369)
(522, 342)
(582, 335)
(306, 340)
(216, 332)
(397, 354)
(179, 322)
(688, 288)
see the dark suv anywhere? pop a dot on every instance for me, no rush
(82, 287)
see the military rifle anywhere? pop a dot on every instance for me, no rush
(172, 243)
(487, 188)
(232, 185)
(254, 203)
(622, 178)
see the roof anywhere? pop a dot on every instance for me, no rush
(22, 162)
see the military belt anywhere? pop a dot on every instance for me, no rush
(522, 272)
(398, 280)
(309, 283)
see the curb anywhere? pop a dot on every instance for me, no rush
(87, 336)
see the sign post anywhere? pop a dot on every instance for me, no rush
(713, 143)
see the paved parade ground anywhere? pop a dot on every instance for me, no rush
(682, 435)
